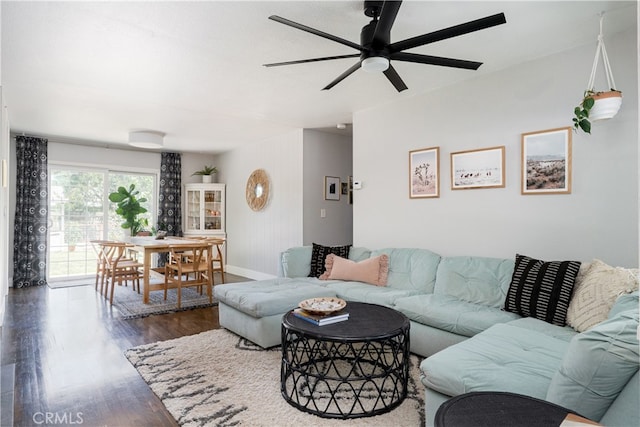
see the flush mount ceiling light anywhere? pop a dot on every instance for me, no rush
(375, 64)
(146, 139)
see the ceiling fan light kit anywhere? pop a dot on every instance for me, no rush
(375, 64)
(146, 139)
(376, 50)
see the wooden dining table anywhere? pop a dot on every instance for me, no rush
(149, 245)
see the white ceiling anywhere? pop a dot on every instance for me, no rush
(97, 70)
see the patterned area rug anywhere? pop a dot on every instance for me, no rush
(219, 379)
(129, 303)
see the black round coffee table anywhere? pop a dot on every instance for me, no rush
(356, 368)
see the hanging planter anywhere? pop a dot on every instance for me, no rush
(606, 105)
(598, 105)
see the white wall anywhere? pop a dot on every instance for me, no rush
(598, 220)
(5, 203)
(326, 154)
(255, 239)
(192, 162)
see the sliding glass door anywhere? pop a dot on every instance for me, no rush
(80, 211)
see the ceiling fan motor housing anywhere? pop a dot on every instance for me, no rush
(377, 47)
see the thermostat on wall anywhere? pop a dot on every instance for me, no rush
(357, 185)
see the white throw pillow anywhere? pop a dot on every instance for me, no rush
(598, 285)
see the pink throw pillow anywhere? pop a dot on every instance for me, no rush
(373, 270)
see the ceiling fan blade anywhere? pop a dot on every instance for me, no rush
(304, 61)
(395, 79)
(342, 76)
(435, 60)
(387, 18)
(316, 32)
(456, 30)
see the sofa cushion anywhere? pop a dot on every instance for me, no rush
(411, 269)
(358, 291)
(597, 287)
(268, 297)
(597, 366)
(319, 254)
(296, 261)
(372, 270)
(624, 411)
(542, 289)
(564, 333)
(451, 314)
(625, 302)
(475, 279)
(502, 358)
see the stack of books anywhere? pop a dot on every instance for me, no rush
(321, 320)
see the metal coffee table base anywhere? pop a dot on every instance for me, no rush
(337, 379)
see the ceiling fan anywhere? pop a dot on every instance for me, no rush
(376, 49)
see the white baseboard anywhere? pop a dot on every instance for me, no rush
(250, 274)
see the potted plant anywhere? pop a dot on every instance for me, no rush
(129, 208)
(207, 173)
(596, 106)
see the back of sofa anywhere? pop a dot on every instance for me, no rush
(598, 377)
(296, 261)
(411, 269)
(479, 280)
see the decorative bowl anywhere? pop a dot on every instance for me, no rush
(322, 306)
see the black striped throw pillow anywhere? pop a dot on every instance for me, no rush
(542, 289)
(319, 253)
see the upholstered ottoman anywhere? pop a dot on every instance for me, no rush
(254, 310)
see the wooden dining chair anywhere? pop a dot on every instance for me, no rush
(217, 260)
(190, 266)
(99, 250)
(120, 266)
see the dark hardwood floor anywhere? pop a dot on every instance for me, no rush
(66, 346)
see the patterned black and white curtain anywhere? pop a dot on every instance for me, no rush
(32, 205)
(169, 200)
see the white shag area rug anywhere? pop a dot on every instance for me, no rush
(217, 378)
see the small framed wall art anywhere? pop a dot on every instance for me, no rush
(424, 173)
(546, 162)
(483, 168)
(331, 188)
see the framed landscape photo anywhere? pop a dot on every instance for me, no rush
(546, 162)
(424, 173)
(331, 188)
(483, 168)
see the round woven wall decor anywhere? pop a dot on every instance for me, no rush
(257, 192)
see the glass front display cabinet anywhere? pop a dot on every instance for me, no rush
(204, 209)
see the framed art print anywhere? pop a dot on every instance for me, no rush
(546, 162)
(424, 173)
(331, 188)
(483, 168)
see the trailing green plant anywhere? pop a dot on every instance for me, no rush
(207, 170)
(581, 112)
(129, 208)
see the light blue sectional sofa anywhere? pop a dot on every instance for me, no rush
(455, 305)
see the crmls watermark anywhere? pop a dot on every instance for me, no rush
(53, 418)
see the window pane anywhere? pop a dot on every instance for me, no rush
(79, 200)
(145, 184)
